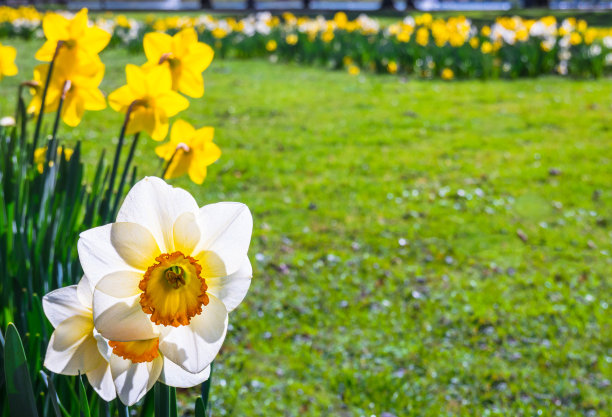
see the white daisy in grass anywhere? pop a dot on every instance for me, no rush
(167, 273)
(76, 347)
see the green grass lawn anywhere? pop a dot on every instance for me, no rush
(421, 248)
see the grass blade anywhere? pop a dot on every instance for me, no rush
(83, 403)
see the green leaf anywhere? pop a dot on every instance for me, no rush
(52, 393)
(83, 403)
(173, 409)
(200, 410)
(162, 400)
(18, 384)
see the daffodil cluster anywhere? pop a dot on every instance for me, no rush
(68, 83)
(154, 302)
(420, 45)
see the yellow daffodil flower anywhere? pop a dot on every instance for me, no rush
(126, 369)
(149, 94)
(271, 45)
(183, 55)
(7, 61)
(80, 40)
(40, 156)
(189, 150)
(79, 85)
(447, 74)
(169, 270)
(291, 39)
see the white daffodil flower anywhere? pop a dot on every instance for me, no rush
(73, 347)
(76, 346)
(166, 274)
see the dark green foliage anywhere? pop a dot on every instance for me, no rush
(19, 391)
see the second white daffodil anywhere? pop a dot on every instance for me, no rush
(167, 273)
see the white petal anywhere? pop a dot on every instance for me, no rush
(121, 319)
(101, 380)
(85, 292)
(194, 347)
(186, 233)
(212, 264)
(72, 347)
(121, 284)
(233, 288)
(63, 303)
(133, 380)
(103, 346)
(175, 376)
(156, 205)
(135, 244)
(98, 256)
(226, 230)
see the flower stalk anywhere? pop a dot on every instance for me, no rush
(44, 97)
(111, 183)
(126, 169)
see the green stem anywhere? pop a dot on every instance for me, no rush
(44, 97)
(124, 175)
(162, 400)
(65, 90)
(163, 175)
(122, 410)
(206, 388)
(111, 182)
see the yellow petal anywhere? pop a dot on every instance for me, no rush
(78, 25)
(205, 134)
(182, 132)
(158, 80)
(197, 173)
(191, 83)
(155, 45)
(160, 128)
(199, 57)
(208, 155)
(180, 164)
(142, 119)
(171, 102)
(136, 79)
(95, 39)
(93, 99)
(46, 52)
(72, 110)
(55, 27)
(121, 98)
(182, 41)
(166, 150)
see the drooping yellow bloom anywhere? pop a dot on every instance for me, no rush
(79, 84)
(80, 41)
(190, 150)
(271, 45)
(353, 69)
(447, 74)
(291, 39)
(392, 67)
(183, 55)
(40, 156)
(149, 93)
(7, 61)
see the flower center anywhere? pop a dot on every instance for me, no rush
(173, 290)
(175, 275)
(137, 351)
